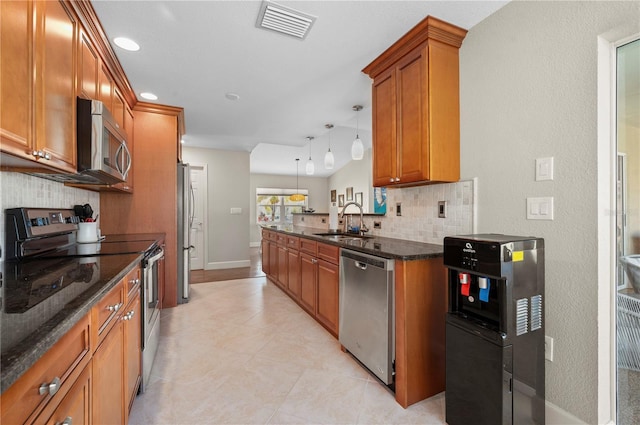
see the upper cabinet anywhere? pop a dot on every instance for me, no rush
(416, 108)
(38, 84)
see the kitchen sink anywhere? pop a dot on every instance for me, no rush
(343, 236)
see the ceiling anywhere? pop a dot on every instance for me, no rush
(194, 52)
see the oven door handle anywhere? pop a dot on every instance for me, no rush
(155, 258)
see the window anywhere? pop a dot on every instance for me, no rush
(276, 206)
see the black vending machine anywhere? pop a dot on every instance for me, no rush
(495, 330)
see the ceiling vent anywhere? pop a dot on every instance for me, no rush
(285, 20)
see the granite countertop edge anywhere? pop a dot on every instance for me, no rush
(397, 249)
(68, 318)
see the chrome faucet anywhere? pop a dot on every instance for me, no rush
(362, 228)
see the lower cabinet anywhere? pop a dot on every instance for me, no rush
(108, 378)
(311, 276)
(133, 353)
(75, 407)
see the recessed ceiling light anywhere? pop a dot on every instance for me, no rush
(126, 44)
(148, 96)
(232, 96)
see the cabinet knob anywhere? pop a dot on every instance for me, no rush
(129, 315)
(391, 180)
(67, 421)
(50, 388)
(397, 179)
(114, 307)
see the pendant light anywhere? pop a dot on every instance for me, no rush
(357, 148)
(310, 167)
(297, 197)
(328, 157)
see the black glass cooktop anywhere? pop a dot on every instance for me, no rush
(100, 248)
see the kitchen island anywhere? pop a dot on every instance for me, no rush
(420, 296)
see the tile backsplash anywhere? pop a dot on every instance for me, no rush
(419, 220)
(21, 190)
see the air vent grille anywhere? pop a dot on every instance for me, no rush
(522, 316)
(536, 312)
(284, 20)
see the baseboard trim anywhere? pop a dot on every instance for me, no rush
(557, 416)
(228, 265)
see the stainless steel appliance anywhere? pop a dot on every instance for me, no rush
(50, 234)
(367, 313)
(185, 220)
(103, 156)
(495, 330)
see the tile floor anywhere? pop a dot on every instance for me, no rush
(242, 352)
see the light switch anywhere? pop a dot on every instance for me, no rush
(544, 169)
(236, 211)
(540, 208)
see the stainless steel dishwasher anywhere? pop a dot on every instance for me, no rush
(367, 313)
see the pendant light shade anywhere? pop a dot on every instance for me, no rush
(310, 168)
(297, 197)
(357, 148)
(328, 157)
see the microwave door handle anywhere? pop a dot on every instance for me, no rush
(128, 153)
(117, 161)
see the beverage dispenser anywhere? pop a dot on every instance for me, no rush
(495, 330)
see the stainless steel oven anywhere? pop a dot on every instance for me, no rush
(150, 310)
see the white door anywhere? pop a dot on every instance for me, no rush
(198, 224)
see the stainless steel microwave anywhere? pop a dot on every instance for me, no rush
(101, 144)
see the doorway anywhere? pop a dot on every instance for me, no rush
(627, 227)
(198, 222)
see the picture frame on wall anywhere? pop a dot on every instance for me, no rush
(359, 197)
(341, 200)
(350, 194)
(333, 195)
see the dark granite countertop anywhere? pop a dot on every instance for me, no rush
(44, 298)
(398, 249)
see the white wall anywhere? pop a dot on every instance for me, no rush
(227, 235)
(318, 195)
(356, 174)
(528, 90)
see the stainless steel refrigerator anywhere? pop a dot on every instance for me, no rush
(185, 218)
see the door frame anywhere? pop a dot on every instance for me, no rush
(607, 155)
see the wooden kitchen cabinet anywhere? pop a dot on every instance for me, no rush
(328, 287)
(308, 282)
(273, 258)
(88, 67)
(108, 378)
(264, 251)
(39, 80)
(293, 267)
(75, 407)
(283, 269)
(132, 348)
(57, 371)
(415, 112)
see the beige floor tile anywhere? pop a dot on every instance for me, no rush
(242, 352)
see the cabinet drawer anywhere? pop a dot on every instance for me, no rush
(293, 242)
(329, 253)
(282, 239)
(50, 378)
(308, 246)
(106, 310)
(273, 236)
(132, 283)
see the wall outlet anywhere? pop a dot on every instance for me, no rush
(324, 220)
(442, 209)
(301, 218)
(548, 348)
(377, 225)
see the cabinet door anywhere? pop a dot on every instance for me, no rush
(105, 87)
(88, 66)
(273, 261)
(384, 129)
(118, 107)
(16, 44)
(55, 60)
(328, 287)
(133, 351)
(75, 407)
(293, 273)
(283, 270)
(308, 282)
(108, 374)
(265, 256)
(412, 118)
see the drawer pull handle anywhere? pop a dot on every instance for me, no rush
(50, 388)
(115, 307)
(129, 315)
(67, 421)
